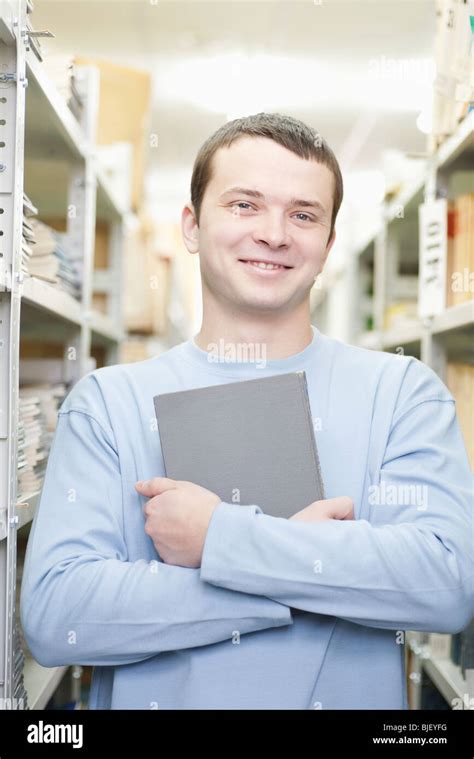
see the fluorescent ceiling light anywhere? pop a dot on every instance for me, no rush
(237, 84)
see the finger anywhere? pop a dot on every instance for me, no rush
(148, 509)
(341, 507)
(155, 486)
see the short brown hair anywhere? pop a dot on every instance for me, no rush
(293, 134)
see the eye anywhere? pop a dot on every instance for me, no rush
(241, 203)
(304, 214)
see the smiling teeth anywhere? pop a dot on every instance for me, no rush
(265, 266)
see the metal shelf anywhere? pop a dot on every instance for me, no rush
(51, 129)
(5, 281)
(103, 326)
(437, 340)
(460, 143)
(60, 304)
(3, 524)
(7, 16)
(407, 195)
(371, 340)
(367, 241)
(447, 677)
(41, 682)
(53, 134)
(55, 301)
(108, 206)
(49, 155)
(459, 317)
(403, 336)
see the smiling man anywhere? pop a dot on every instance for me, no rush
(183, 601)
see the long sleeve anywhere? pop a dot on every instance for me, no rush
(82, 600)
(409, 566)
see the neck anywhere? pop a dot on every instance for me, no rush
(282, 335)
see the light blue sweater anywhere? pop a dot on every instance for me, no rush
(281, 614)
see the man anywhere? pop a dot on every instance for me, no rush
(183, 601)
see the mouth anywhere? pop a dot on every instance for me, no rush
(261, 265)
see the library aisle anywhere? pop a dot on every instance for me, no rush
(104, 107)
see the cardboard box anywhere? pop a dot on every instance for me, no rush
(124, 114)
(460, 381)
(147, 280)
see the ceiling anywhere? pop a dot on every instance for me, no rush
(346, 68)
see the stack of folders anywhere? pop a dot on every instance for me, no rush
(50, 258)
(250, 442)
(21, 650)
(28, 235)
(20, 695)
(37, 416)
(60, 70)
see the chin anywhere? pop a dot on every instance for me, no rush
(263, 304)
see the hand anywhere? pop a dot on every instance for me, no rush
(330, 508)
(177, 518)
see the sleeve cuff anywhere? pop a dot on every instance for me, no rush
(227, 535)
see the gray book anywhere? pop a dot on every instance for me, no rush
(251, 442)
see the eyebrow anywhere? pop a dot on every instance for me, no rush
(293, 202)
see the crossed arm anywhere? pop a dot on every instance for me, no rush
(84, 602)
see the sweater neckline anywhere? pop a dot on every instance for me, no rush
(234, 361)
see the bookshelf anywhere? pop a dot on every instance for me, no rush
(48, 153)
(385, 266)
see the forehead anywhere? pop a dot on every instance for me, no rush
(265, 165)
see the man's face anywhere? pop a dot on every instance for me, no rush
(237, 227)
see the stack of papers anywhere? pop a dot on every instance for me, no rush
(20, 696)
(50, 259)
(28, 237)
(61, 70)
(37, 418)
(20, 646)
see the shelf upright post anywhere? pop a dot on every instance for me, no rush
(81, 216)
(116, 262)
(12, 128)
(380, 276)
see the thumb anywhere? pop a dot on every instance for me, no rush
(155, 486)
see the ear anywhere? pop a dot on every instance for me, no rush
(190, 229)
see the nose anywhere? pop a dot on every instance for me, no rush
(271, 230)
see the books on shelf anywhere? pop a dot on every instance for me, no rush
(28, 237)
(20, 696)
(20, 646)
(51, 259)
(460, 250)
(37, 417)
(454, 81)
(401, 315)
(61, 71)
(46, 253)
